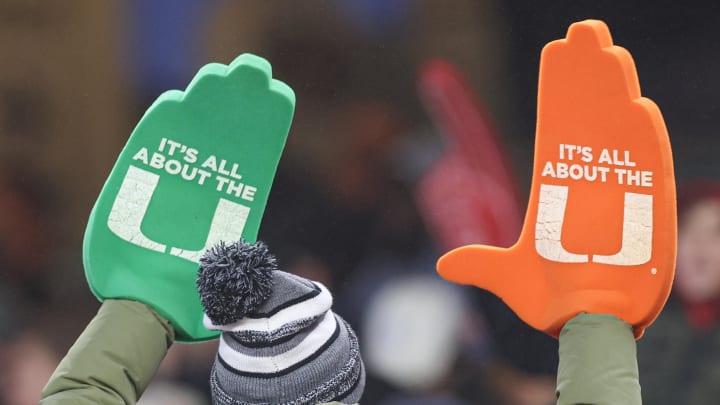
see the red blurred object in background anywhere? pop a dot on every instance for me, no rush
(470, 194)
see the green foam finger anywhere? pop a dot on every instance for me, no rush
(196, 170)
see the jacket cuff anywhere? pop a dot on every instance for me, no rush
(598, 362)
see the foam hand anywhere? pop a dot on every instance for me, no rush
(469, 195)
(600, 229)
(196, 170)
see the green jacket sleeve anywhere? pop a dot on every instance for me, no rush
(114, 359)
(598, 362)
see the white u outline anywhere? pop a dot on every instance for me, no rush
(131, 204)
(637, 229)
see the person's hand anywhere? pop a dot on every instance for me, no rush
(600, 229)
(196, 170)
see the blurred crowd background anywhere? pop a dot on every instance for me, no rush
(75, 77)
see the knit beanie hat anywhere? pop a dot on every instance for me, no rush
(280, 341)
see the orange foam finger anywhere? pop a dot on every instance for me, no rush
(600, 228)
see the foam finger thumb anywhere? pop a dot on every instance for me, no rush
(487, 267)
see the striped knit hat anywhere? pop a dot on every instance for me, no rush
(280, 342)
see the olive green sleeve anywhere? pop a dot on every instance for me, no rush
(114, 359)
(598, 362)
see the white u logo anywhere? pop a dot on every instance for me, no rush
(131, 204)
(637, 229)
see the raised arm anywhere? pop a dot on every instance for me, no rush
(598, 362)
(114, 359)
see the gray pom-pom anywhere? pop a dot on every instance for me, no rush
(235, 279)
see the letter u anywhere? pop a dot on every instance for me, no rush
(131, 204)
(636, 238)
